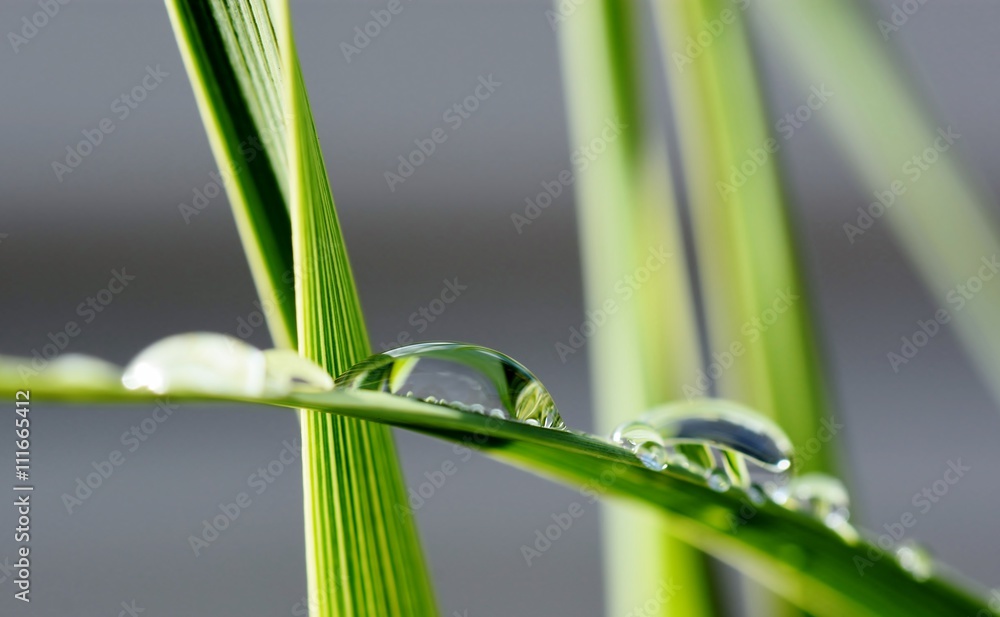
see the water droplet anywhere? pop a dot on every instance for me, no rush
(82, 371)
(464, 377)
(718, 480)
(644, 442)
(707, 435)
(209, 363)
(757, 495)
(915, 559)
(652, 455)
(819, 495)
(287, 371)
(724, 424)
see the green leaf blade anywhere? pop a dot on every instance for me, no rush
(791, 554)
(363, 554)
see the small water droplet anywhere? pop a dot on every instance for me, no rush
(644, 442)
(915, 559)
(718, 480)
(652, 455)
(217, 364)
(757, 495)
(819, 495)
(464, 377)
(503, 415)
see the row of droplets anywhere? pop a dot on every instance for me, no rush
(723, 444)
(728, 446)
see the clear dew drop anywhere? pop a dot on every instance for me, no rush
(819, 495)
(915, 559)
(217, 364)
(640, 439)
(718, 480)
(713, 436)
(652, 455)
(725, 425)
(757, 495)
(464, 377)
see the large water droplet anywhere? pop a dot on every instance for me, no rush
(915, 559)
(209, 363)
(819, 495)
(713, 434)
(724, 424)
(465, 377)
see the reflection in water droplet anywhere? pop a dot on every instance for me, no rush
(464, 377)
(727, 425)
(209, 363)
(709, 435)
(915, 559)
(819, 495)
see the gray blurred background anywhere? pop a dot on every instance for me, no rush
(61, 238)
